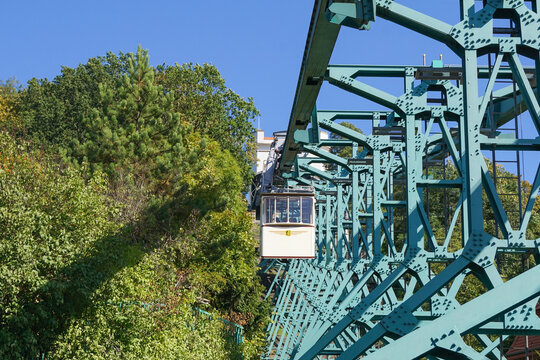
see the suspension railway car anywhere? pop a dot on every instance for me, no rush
(288, 225)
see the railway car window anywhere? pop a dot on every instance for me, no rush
(269, 206)
(281, 210)
(294, 210)
(307, 208)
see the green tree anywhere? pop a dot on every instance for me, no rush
(10, 106)
(135, 130)
(140, 314)
(47, 221)
(169, 221)
(66, 266)
(53, 111)
(214, 110)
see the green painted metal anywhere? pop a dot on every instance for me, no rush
(372, 291)
(319, 45)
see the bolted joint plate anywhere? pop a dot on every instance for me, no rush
(523, 317)
(449, 341)
(516, 239)
(416, 260)
(480, 249)
(334, 315)
(401, 321)
(441, 305)
(476, 32)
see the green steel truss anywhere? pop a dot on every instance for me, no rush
(387, 278)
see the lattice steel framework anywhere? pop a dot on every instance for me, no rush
(389, 279)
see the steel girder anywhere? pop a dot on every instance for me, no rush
(367, 294)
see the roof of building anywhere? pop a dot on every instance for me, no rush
(518, 351)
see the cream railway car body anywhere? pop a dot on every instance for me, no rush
(288, 225)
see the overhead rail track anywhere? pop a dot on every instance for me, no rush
(320, 43)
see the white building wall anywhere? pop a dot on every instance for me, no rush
(263, 149)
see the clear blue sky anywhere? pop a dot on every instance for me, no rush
(257, 45)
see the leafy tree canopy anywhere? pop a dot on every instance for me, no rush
(134, 195)
(10, 106)
(214, 110)
(136, 104)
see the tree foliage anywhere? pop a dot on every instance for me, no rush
(140, 314)
(134, 130)
(65, 112)
(53, 111)
(10, 105)
(133, 196)
(214, 110)
(47, 220)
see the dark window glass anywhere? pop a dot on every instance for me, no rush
(307, 210)
(294, 210)
(269, 210)
(281, 210)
